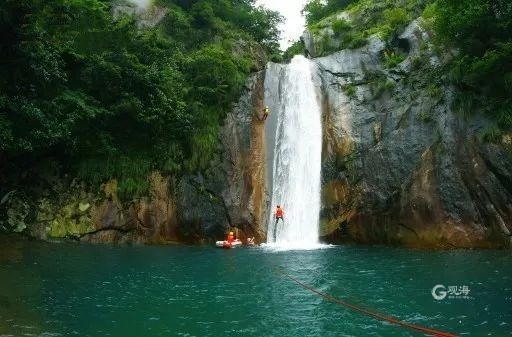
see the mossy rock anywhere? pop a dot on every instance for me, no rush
(71, 221)
(17, 214)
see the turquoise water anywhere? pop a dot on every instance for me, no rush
(82, 290)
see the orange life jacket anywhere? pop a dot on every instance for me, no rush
(279, 213)
(230, 238)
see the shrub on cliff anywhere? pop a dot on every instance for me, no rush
(480, 31)
(316, 10)
(360, 19)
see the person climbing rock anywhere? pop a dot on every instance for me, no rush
(266, 112)
(279, 215)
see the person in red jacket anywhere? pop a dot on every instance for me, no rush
(279, 215)
(230, 238)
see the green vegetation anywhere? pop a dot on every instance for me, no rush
(492, 134)
(316, 10)
(393, 58)
(426, 116)
(504, 117)
(386, 18)
(349, 89)
(103, 99)
(434, 91)
(339, 26)
(395, 19)
(481, 32)
(343, 36)
(383, 19)
(354, 41)
(297, 48)
(416, 62)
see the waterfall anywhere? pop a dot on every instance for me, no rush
(297, 158)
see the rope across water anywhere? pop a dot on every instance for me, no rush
(390, 319)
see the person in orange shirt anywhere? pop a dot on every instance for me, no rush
(230, 238)
(279, 215)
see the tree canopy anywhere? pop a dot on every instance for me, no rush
(102, 98)
(480, 33)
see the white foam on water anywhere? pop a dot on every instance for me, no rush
(288, 246)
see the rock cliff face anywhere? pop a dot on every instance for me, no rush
(235, 187)
(400, 166)
(199, 208)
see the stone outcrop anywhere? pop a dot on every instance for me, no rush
(400, 166)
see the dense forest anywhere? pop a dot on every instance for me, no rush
(91, 94)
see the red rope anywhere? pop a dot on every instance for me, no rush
(389, 319)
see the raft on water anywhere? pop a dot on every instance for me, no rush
(227, 245)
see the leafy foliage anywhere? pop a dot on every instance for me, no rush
(481, 31)
(393, 58)
(349, 89)
(387, 18)
(492, 134)
(339, 26)
(360, 20)
(316, 10)
(109, 100)
(295, 49)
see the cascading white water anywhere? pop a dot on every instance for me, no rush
(297, 159)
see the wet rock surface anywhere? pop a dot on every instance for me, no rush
(399, 165)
